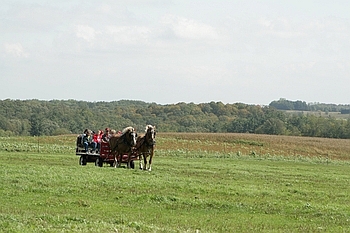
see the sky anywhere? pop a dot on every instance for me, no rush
(171, 51)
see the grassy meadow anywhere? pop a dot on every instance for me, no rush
(199, 183)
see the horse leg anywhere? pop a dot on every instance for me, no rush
(129, 158)
(145, 161)
(140, 161)
(150, 159)
(115, 160)
(120, 160)
(150, 163)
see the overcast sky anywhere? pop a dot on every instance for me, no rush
(164, 51)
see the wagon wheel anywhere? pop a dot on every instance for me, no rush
(99, 162)
(82, 160)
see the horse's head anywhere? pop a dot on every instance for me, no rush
(150, 133)
(130, 135)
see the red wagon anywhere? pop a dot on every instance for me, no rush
(104, 155)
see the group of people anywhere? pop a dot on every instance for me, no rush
(92, 139)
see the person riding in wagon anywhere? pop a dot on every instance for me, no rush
(88, 142)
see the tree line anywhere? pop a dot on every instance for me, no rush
(56, 117)
(284, 104)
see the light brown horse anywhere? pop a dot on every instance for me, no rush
(123, 144)
(145, 146)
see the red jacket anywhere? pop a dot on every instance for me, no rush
(96, 138)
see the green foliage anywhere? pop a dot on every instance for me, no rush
(39, 118)
(284, 104)
(4, 133)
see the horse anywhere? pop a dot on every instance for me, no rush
(145, 146)
(123, 143)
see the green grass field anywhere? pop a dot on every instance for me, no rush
(198, 190)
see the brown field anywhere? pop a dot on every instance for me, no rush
(257, 144)
(230, 143)
(336, 115)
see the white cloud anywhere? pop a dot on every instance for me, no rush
(280, 27)
(15, 50)
(86, 32)
(265, 22)
(190, 29)
(128, 34)
(104, 9)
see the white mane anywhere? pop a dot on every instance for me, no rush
(148, 126)
(127, 129)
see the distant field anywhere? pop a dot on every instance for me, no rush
(199, 183)
(337, 115)
(258, 145)
(203, 143)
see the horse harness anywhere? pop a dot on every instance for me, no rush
(146, 143)
(124, 141)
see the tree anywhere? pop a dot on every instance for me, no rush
(35, 117)
(36, 125)
(272, 126)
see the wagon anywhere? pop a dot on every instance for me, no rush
(104, 155)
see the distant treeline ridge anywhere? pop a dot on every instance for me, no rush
(283, 104)
(56, 117)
